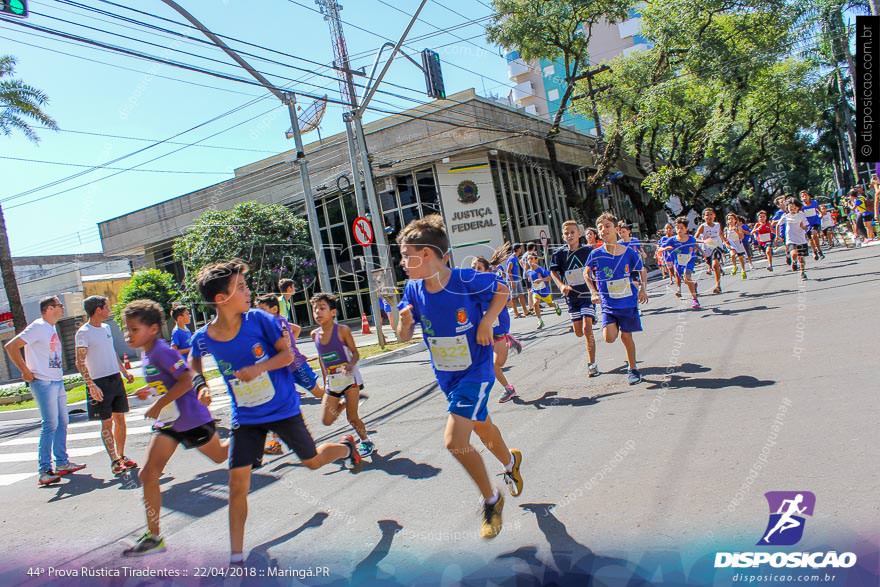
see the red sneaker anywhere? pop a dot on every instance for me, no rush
(355, 457)
(68, 467)
(129, 464)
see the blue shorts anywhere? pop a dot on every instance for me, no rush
(305, 377)
(580, 306)
(627, 319)
(470, 399)
(685, 270)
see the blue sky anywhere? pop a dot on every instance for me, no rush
(91, 93)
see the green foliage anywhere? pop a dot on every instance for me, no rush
(20, 103)
(270, 237)
(147, 284)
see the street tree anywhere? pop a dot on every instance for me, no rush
(270, 237)
(21, 105)
(147, 284)
(558, 31)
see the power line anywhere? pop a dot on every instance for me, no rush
(60, 163)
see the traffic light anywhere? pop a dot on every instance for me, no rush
(16, 8)
(433, 74)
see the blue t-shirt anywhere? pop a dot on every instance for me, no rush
(449, 320)
(666, 241)
(180, 337)
(634, 244)
(512, 266)
(811, 211)
(778, 216)
(502, 324)
(269, 397)
(613, 275)
(747, 233)
(542, 288)
(570, 266)
(384, 305)
(685, 253)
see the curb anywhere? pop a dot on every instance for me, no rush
(412, 349)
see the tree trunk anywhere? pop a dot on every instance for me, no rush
(10, 285)
(572, 198)
(848, 124)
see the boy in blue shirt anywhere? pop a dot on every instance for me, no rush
(253, 353)
(540, 280)
(814, 221)
(456, 309)
(683, 249)
(609, 275)
(180, 335)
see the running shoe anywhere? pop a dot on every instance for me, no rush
(540, 324)
(633, 376)
(592, 370)
(509, 394)
(514, 344)
(717, 289)
(821, 255)
(735, 270)
(48, 477)
(678, 293)
(129, 464)
(558, 310)
(146, 544)
(118, 467)
(491, 526)
(273, 447)
(815, 256)
(695, 304)
(354, 457)
(68, 467)
(770, 268)
(744, 275)
(804, 275)
(513, 478)
(365, 448)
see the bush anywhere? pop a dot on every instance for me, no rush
(147, 284)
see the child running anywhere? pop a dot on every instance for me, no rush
(684, 251)
(625, 237)
(253, 354)
(811, 211)
(342, 379)
(456, 309)
(540, 280)
(827, 224)
(796, 225)
(666, 255)
(180, 417)
(747, 240)
(567, 265)
(303, 375)
(709, 235)
(764, 236)
(733, 237)
(609, 275)
(500, 334)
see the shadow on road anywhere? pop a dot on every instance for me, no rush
(79, 484)
(680, 382)
(550, 400)
(403, 466)
(14, 431)
(367, 571)
(728, 312)
(206, 493)
(260, 559)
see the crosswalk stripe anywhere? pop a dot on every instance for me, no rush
(10, 478)
(20, 457)
(71, 437)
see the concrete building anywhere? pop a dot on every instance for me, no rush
(481, 165)
(72, 278)
(540, 84)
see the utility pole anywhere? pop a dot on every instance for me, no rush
(289, 100)
(591, 93)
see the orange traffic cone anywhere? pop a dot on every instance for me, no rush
(365, 325)
(125, 362)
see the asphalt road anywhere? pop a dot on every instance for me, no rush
(771, 386)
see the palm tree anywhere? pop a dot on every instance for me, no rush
(20, 105)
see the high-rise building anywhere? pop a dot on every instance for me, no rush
(540, 84)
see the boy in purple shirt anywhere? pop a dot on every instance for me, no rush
(180, 416)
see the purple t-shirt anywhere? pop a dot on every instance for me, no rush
(162, 367)
(298, 357)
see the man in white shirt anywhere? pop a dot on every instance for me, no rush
(102, 371)
(42, 368)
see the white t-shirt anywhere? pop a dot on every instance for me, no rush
(827, 220)
(101, 358)
(42, 350)
(794, 234)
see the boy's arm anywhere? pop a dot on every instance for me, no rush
(296, 329)
(643, 285)
(557, 279)
(699, 232)
(348, 339)
(125, 373)
(405, 324)
(282, 358)
(183, 384)
(591, 283)
(198, 380)
(320, 362)
(13, 349)
(499, 301)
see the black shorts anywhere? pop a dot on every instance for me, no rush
(192, 438)
(249, 440)
(115, 401)
(811, 229)
(801, 249)
(716, 253)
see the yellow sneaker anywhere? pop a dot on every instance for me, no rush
(513, 479)
(491, 526)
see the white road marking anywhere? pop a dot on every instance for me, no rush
(22, 457)
(70, 437)
(10, 478)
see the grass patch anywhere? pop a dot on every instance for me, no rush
(371, 350)
(78, 394)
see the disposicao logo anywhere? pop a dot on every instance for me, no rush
(786, 528)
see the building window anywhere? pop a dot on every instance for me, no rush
(549, 70)
(553, 94)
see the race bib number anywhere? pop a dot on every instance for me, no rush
(764, 237)
(683, 258)
(338, 380)
(619, 288)
(711, 243)
(575, 277)
(450, 353)
(169, 413)
(808, 212)
(253, 393)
